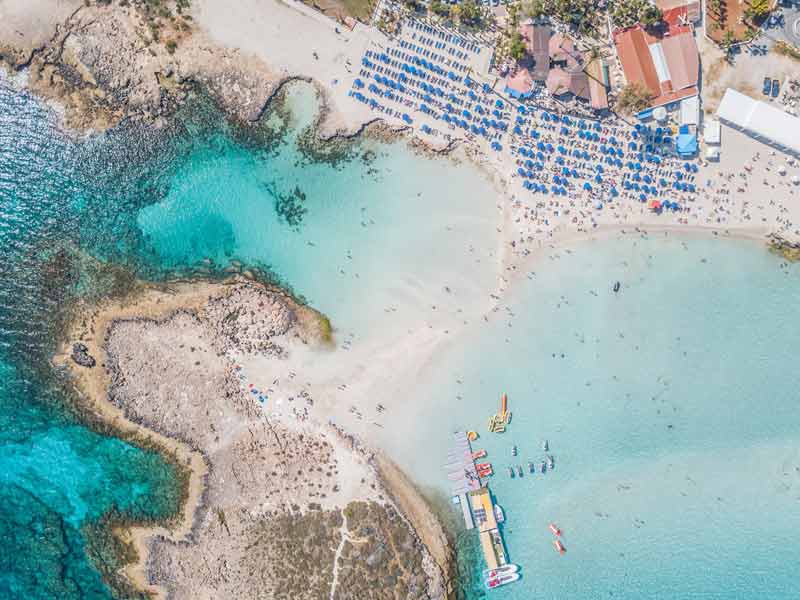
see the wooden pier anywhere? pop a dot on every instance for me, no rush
(462, 474)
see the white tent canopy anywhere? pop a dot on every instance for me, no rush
(760, 120)
(711, 132)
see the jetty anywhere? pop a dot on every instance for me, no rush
(491, 541)
(462, 474)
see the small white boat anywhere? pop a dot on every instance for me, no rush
(500, 580)
(545, 446)
(550, 462)
(514, 450)
(499, 516)
(502, 570)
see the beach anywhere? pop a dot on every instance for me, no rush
(219, 376)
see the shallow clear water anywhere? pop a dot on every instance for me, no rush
(671, 414)
(670, 409)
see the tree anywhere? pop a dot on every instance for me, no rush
(625, 13)
(471, 14)
(516, 46)
(728, 39)
(535, 9)
(633, 98)
(758, 9)
(439, 8)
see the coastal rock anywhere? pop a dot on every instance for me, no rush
(291, 509)
(80, 355)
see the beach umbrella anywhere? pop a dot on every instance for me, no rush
(521, 171)
(540, 145)
(483, 131)
(529, 173)
(517, 130)
(540, 156)
(598, 205)
(373, 103)
(636, 187)
(445, 118)
(648, 179)
(565, 171)
(574, 172)
(626, 184)
(498, 103)
(522, 109)
(556, 179)
(564, 131)
(587, 186)
(486, 88)
(586, 155)
(618, 162)
(598, 127)
(535, 134)
(642, 198)
(544, 189)
(560, 160)
(614, 192)
(581, 135)
(599, 168)
(637, 177)
(424, 108)
(598, 179)
(550, 148)
(687, 166)
(529, 163)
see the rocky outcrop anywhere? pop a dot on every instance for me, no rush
(106, 63)
(290, 509)
(80, 355)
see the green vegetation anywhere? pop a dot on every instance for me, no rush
(758, 10)
(469, 14)
(625, 13)
(579, 15)
(439, 8)
(786, 49)
(517, 48)
(633, 98)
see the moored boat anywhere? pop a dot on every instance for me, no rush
(559, 546)
(502, 570)
(519, 470)
(499, 515)
(479, 454)
(531, 468)
(552, 527)
(494, 582)
(514, 450)
(543, 467)
(545, 446)
(511, 472)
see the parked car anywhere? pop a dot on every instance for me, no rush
(767, 86)
(776, 88)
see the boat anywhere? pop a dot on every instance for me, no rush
(499, 571)
(617, 285)
(482, 466)
(519, 470)
(514, 450)
(508, 417)
(494, 582)
(559, 546)
(486, 472)
(556, 531)
(551, 464)
(543, 467)
(511, 472)
(478, 454)
(531, 468)
(545, 446)
(499, 515)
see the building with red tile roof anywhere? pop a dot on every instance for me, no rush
(668, 66)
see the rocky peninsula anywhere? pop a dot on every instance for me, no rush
(275, 508)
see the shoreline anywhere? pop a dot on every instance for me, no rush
(160, 303)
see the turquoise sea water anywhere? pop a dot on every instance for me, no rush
(670, 415)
